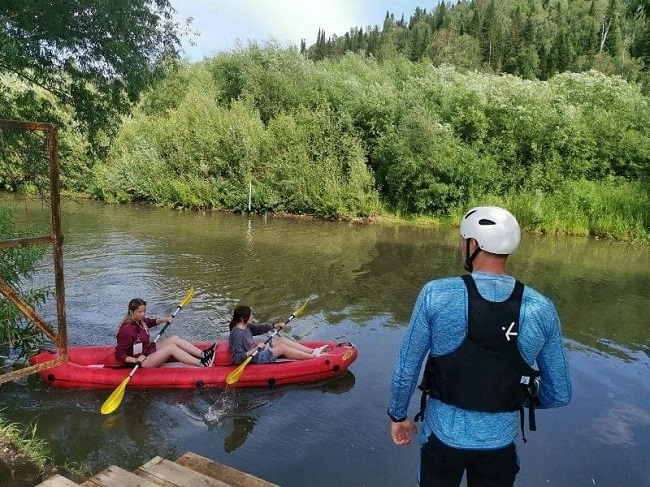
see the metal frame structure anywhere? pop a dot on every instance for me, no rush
(60, 338)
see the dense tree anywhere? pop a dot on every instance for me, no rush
(360, 134)
(419, 39)
(94, 56)
(531, 39)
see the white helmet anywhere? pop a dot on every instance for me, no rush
(496, 230)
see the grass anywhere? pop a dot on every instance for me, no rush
(22, 450)
(26, 442)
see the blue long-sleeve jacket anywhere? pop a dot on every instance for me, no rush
(439, 325)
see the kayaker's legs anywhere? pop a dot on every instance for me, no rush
(175, 348)
(283, 350)
(283, 347)
(315, 352)
(183, 345)
(290, 343)
(169, 350)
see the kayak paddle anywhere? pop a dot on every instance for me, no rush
(115, 399)
(237, 373)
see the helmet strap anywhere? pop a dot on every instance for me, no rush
(470, 258)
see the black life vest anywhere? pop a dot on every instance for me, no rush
(486, 373)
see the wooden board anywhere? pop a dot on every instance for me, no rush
(58, 481)
(189, 470)
(114, 476)
(230, 475)
(168, 473)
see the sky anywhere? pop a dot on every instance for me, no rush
(222, 25)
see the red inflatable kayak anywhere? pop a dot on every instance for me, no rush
(86, 369)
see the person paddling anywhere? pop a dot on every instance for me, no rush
(134, 344)
(243, 345)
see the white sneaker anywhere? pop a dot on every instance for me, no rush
(321, 350)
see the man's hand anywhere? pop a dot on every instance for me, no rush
(402, 432)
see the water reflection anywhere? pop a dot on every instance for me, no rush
(233, 417)
(232, 413)
(619, 425)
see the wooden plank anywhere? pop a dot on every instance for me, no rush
(173, 474)
(226, 473)
(58, 481)
(115, 476)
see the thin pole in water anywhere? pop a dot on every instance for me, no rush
(250, 193)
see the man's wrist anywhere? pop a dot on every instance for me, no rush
(394, 419)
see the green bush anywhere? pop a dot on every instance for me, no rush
(353, 136)
(18, 335)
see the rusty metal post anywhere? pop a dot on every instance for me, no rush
(60, 338)
(57, 238)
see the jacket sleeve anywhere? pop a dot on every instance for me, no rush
(555, 387)
(125, 338)
(414, 349)
(259, 329)
(150, 322)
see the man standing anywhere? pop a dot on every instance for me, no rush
(483, 332)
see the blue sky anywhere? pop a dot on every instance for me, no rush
(220, 24)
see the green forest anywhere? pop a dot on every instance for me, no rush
(539, 106)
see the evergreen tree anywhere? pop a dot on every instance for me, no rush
(531, 39)
(438, 20)
(419, 37)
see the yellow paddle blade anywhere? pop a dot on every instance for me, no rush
(188, 297)
(301, 309)
(236, 374)
(115, 399)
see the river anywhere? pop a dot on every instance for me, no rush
(361, 282)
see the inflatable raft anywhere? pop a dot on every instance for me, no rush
(87, 368)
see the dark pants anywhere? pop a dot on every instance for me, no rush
(443, 466)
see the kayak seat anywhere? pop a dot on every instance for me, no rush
(222, 354)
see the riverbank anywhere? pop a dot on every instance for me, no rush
(562, 215)
(23, 461)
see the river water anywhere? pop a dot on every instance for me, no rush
(361, 282)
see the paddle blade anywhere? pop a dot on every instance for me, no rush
(188, 297)
(115, 399)
(236, 374)
(301, 309)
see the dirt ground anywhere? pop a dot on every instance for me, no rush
(16, 470)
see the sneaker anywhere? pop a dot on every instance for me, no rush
(207, 357)
(207, 362)
(209, 352)
(321, 350)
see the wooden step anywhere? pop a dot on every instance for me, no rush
(115, 476)
(164, 472)
(58, 481)
(189, 470)
(230, 475)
